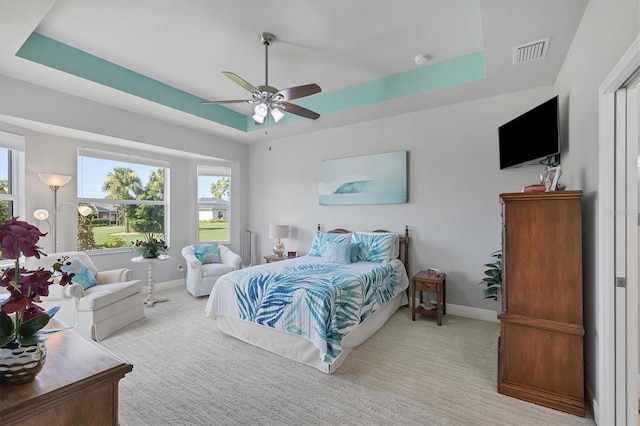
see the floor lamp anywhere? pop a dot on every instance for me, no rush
(54, 182)
(42, 214)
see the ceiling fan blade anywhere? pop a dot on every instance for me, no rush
(298, 110)
(300, 91)
(240, 81)
(232, 101)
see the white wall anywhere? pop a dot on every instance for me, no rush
(453, 211)
(606, 31)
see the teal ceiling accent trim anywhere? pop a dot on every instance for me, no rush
(440, 75)
(52, 53)
(460, 70)
(49, 52)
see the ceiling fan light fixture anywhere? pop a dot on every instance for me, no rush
(261, 110)
(276, 114)
(258, 119)
(267, 99)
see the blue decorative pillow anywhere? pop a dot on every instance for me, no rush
(83, 275)
(207, 253)
(354, 251)
(375, 246)
(321, 238)
(337, 252)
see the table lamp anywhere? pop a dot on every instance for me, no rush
(278, 232)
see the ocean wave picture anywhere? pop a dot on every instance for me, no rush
(368, 179)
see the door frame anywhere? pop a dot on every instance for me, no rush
(606, 290)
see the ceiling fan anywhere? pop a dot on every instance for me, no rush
(267, 99)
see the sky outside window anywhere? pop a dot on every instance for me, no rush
(92, 173)
(204, 186)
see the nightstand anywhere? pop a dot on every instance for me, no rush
(274, 258)
(425, 282)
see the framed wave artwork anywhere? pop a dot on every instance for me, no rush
(367, 179)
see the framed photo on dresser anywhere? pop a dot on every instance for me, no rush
(551, 176)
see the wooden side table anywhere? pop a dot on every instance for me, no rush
(274, 258)
(425, 282)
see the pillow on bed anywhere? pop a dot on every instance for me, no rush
(321, 238)
(354, 251)
(207, 253)
(337, 252)
(376, 246)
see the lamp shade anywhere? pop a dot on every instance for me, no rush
(54, 180)
(278, 231)
(276, 114)
(41, 214)
(84, 210)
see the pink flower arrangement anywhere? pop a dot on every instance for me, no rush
(25, 287)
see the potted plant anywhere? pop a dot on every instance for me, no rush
(152, 246)
(493, 276)
(22, 349)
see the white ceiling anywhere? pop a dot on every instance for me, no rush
(335, 43)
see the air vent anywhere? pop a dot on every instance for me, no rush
(530, 51)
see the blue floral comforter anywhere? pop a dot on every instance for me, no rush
(320, 301)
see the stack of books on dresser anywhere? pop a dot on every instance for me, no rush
(535, 188)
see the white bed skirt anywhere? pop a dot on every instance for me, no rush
(300, 349)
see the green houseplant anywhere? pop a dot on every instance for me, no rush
(152, 246)
(493, 276)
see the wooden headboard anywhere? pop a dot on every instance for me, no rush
(404, 243)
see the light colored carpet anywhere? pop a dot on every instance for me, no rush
(186, 372)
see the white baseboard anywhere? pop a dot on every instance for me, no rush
(474, 313)
(591, 400)
(467, 312)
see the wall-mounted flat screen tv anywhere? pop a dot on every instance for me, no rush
(530, 137)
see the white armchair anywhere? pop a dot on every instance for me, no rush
(115, 302)
(201, 278)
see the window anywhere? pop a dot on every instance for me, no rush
(126, 195)
(11, 175)
(214, 184)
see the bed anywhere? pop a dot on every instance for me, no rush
(315, 309)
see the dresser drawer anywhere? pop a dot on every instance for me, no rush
(429, 286)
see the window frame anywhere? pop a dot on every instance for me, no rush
(15, 144)
(127, 159)
(217, 171)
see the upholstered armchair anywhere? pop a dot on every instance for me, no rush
(201, 277)
(111, 303)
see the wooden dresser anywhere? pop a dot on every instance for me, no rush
(540, 353)
(78, 385)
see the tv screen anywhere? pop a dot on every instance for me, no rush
(533, 136)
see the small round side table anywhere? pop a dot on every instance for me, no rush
(151, 262)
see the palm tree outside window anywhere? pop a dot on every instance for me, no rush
(127, 198)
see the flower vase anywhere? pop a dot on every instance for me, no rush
(150, 255)
(21, 364)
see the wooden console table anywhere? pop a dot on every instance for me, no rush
(78, 385)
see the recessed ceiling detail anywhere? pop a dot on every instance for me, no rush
(54, 54)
